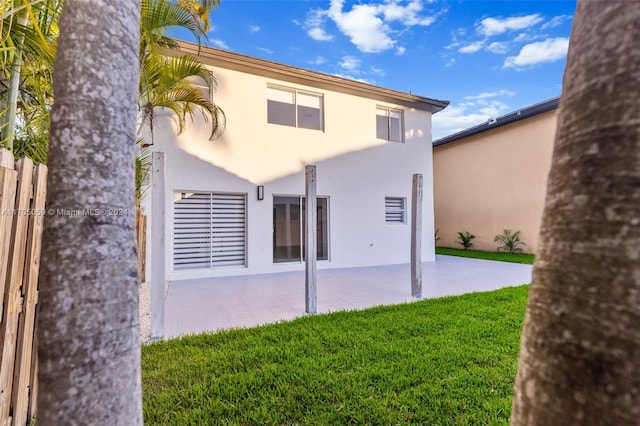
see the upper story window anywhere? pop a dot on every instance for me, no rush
(389, 124)
(290, 107)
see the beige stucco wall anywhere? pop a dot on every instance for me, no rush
(494, 180)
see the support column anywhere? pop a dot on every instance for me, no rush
(310, 234)
(416, 236)
(158, 223)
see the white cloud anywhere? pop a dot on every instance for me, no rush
(368, 26)
(408, 15)
(523, 37)
(319, 34)
(266, 50)
(485, 95)
(494, 26)
(364, 28)
(377, 71)
(400, 50)
(254, 29)
(461, 116)
(314, 24)
(555, 21)
(350, 77)
(221, 44)
(319, 60)
(350, 63)
(472, 48)
(498, 47)
(549, 50)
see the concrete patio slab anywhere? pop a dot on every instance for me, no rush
(195, 306)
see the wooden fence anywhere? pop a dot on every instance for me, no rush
(22, 212)
(22, 209)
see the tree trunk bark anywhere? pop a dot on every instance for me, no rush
(580, 349)
(89, 355)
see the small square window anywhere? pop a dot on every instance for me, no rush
(395, 209)
(389, 124)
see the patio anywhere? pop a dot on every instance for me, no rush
(194, 306)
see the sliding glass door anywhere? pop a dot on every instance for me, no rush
(288, 229)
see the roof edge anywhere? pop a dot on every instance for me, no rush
(494, 123)
(265, 68)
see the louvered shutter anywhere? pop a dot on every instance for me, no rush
(394, 209)
(209, 230)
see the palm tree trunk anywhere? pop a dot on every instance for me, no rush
(580, 349)
(9, 129)
(89, 356)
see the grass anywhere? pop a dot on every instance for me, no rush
(487, 255)
(448, 361)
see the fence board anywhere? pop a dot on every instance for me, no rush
(22, 202)
(8, 180)
(26, 327)
(13, 297)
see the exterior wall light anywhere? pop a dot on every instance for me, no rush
(260, 192)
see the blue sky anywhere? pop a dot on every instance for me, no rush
(487, 57)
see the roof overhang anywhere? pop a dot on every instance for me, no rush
(248, 64)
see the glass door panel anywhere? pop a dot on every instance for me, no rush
(286, 229)
(322, 228)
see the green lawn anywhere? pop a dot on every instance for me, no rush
(434, 362)
(488, 255)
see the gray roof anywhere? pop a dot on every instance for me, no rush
(493, 123)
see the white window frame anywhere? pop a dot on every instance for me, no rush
(391, 210)
(388, 111)
(295, 93)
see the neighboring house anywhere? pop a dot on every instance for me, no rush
(366, 142)
(494, 176)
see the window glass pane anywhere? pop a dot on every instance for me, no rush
(395, 126)
(309, 111)
(281, 113)
(286, 229)
(201, 85)
(281, 107)
(322, 228)
(308, 100)
(309, 118)
(279, 95)
(382, 127)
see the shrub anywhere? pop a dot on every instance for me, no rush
(509, 241)
(465, 239)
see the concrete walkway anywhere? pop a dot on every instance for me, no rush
(194, 306)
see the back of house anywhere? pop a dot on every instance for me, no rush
(235, 205)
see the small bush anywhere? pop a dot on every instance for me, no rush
(509, 241)
(465, 239)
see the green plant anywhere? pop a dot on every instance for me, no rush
(487, 255)
(465, 239)
(509, 241)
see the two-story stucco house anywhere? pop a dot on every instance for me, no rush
(235, 205)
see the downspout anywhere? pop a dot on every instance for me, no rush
(9, 130)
